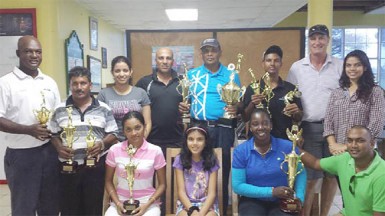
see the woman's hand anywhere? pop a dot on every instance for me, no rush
(283, 192)
(336, 148)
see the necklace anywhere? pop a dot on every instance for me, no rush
(263, 153)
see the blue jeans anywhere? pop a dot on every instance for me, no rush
(253, 207)
(33, 179)
(222, 137)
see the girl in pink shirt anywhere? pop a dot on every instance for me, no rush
(148, 158)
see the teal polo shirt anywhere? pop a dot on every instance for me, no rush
(368, 186)
(206, 103)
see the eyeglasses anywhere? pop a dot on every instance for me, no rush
(351, 185)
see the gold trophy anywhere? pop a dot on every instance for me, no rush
(292, 159)
(70, 136)
(43, 115)
(90, 140)
(267, 90)
(131, 204)
(183, 89)
(231, 93)
(256, 86)
(289, 97)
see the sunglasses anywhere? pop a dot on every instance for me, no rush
(351, 185)
(319, 28)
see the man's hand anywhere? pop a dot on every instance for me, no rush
(257, 98)
(40, 132)
(65, 152)
(184, 108)
(336, 148)
(95, 150)
(231, 109)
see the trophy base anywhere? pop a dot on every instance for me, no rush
(290, 206)
(186, 120)
(69, 167)
(90, 162)
(129, 207)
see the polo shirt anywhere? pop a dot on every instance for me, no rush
(148, 157)
(102, 121)
(20, 96)
(280, 121)
(254, 175)
(167, 126)
(206, 103)
(316, 86)
(368, 185)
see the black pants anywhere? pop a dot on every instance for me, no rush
(254, 207)
(33, 179)
(82, 192)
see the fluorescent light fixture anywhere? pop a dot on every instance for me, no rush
(182, 14)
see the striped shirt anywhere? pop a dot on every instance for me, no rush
(148, 157)
(344, 111)
(102, 121)
(316, 86)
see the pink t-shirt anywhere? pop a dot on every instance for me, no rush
(148, 157)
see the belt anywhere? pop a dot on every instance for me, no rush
(314, 122)
(227, 123)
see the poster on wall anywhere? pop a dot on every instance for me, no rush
(73, 54)
(14, 23)
(18, 22)
(182, 54)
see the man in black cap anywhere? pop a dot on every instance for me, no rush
(317, 75)
(282, 115)
(206, 104)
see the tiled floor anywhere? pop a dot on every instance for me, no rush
(5, 202)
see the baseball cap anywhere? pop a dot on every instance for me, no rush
(318, 29)
(210, 42)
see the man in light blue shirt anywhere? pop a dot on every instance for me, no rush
(206, 105)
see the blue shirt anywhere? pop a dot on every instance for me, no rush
(254, 175)
(206, 103)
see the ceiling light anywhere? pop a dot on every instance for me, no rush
(182, 14)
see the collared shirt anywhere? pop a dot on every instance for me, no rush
(98, 113)
(167, 126)
(206, 103)
(316, 86)
(20, 98)
(280, 121)
(367, 186)
(265, 172)
(148, 157)
(344, 111)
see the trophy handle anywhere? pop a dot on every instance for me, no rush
(283, 162)
(300, 162)
(242, 92)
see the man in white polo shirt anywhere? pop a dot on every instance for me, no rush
(30, 162)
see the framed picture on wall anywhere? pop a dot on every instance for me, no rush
(104, 57)
(93, 33)
(95, 67)
(73, 54)
(18, 22)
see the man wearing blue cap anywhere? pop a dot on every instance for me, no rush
(206, 104)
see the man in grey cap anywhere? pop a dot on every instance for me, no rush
(317, 75)
(206, 104)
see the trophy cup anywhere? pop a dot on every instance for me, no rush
(289, 97)
(90, 140)
(70, 136)
(43, 115)
(231, 93)
(292, 159)
(256, 86)
(131, 204)
(268, 90)
(183, 89)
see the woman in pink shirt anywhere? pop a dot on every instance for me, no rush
(149, 160)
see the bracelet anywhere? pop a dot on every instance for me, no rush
(192, 209)
(152, 199)
(103, 146)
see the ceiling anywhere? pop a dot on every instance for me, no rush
(212, 14)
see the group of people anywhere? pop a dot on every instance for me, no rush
(341, 111)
